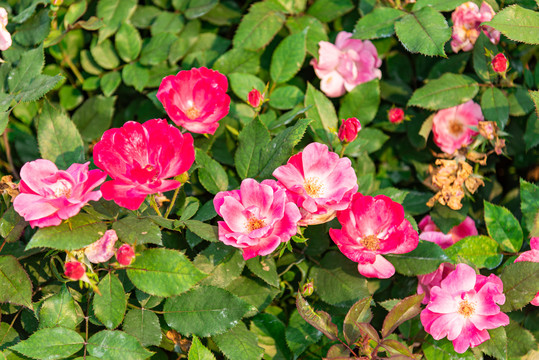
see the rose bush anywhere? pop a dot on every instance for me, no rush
(273, 179)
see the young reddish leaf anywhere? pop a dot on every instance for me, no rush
(337, 352)
(369, 331)
(359, 312)
(319, 319)
(393, 346)
(405, 310)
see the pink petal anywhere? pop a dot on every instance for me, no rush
(381, 269)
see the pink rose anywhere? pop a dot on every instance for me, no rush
(349, 130)
(195, 99)
(372, 226)
(5, 36)
(500, 64)
(348, 63)
(103, 249)
(467, 19)
(395, 115)
(533, 256)
(463, 307)
(125, 255)
(140, 157)
(451, 127)
(430, 232)
(319, 182)
(48, 195)
(426, 282)
(255, 98)
(74, 270)
(257, 217)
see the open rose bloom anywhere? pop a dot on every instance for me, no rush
(452, 127)
(48, 195)
(533, 256)
(195, 99)
(426, 282)
(463, 307)
(257, 217)
(430, 232)
(346, 64)
(5, 36)
(371, 227)
(467, 19)
(319, 182)
(140, 157)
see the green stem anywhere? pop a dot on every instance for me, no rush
(344, 145)
(169, 209)
(154, 205)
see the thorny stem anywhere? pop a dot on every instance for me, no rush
(9, 157)
(72, 66)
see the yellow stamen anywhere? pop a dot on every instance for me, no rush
(371, 242)
(466, 308)
(192, 113)
(313, 187)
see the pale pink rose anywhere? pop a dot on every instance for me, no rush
(74, 270)
(48, 195)
(467, 19)
(430, 232)
(103, 249)
(125, 255)
(319, 182)
(195, 99)
(463, 307)
(257, 217)
(451, 127)
(5, 36)
(428, 281)
(373, 226)
(348, 63)
(533, 256)
(349, 130)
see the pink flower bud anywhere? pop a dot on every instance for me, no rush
(255, 98)
(74, 270)
(349, 130)
(500, 63)
(395, 115)
(125, 254)
(308, 288)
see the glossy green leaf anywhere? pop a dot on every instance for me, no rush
(529, 197)
(362, 102)
(94, 117)
(422, 260)
(238, 60)
(109, 307)
(254, 292)
(135, 75)
(368, 140)
(8, 336)
(518, 24)
(444, 350)
(12, 225)
(300, 334)
(197, 351)
(104, 54)
(110, 82)
(271, 335)
(51, 343)
(380, 23)
(75, 11)
(210, 173)
(15, 283)
(328, 10)
(113, 345)
(239, 344)
(253, 140)
(242, 84)
(445, 92)
(519, 341)
(27, 70)
(199, 8)
(156, 49)
(405, 310)
(520, 284)
(520, 102)
(167, 22)
(35, 29)
(288, 57)
(114, 13)
(144, 325)
(440, 5)
(265, 269)
(496, 346)
(128, 42)
(286, 97)
(322, 112)
(481, 251)
(205, 231)
(60, 310)
(70, 97)
(133, 230)
(321, 320)
(481, 59)
(221, 262)
(316, 31)
(503, 227)
(259, 26)
(495, 106)
(531, 135)
(359, 312)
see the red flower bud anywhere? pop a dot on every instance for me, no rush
(74, 270)
(500, 63)
(395, 115)
(255, 98)
(125, 254)
(349, 130)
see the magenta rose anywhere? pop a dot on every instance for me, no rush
(533, 256)
(426, 282)
(345, 65)
(467, 19)
(74, 270)
(140, 158)
(463, 307)
(371, 227)
(430, 232)
(195, 99)
(319, 182)
(349, 130)
(255, 98)
(125, 255)
(48, 195)
(452, 127)
(257, 217)
(500, 64)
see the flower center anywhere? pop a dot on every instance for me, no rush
(466, 308)
(192, 113)
(456, 127)
(371, 242)
(313, 187)
(254, 224)
(61, 188)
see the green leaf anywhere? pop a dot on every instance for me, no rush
(27, 70)
(205, 231)
(197, 351)
(424, 31)
(242, 84)
(109, 307)
(135, 75)
(380, 23)
(316, 31)
(300, 334)
(51, 343)
(34, 30)
(444, 350)
(199, 8)
(319, 319)
(445, 92)
(156, 49)
(288, 58)
(113, 345)
(70, 97)
(520, 284)
(8, 337)
(529, 197)
(144, 325)
(271, 335)
(446, 219)
(253, 141)
(104, 54)
(518, 24)
(440, 5)
(535, 98)
(163, 272)
(322, 112)
(360, 312)
(133, 230)
(362, 102)
(286, 97)
(239, 344)
(265, 269)
(495, 106)
(520, 102)
(167, 22)
(94, 117)
(221, 262)
(531, 135)
(110, 82)
(78, 232)
(238, 60)
(481, 251)
(481, 61)
(204, 311)
(503, 227)
(422, 260)
(254, 292)
(406, 309)
(114, 13)
(496, 346)
(368, 140)
(128, 42)
(14, 282)
(519, 341)
(210, 173)
(12, 225)
(38, 87)
(60, 310)
(259, 26)
(329, 10)
(74, 12)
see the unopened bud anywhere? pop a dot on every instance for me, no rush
(308, 288)
(349, 130)
(500, 64)
(125, 254)
(74, 270)
(255, 98)
(395, 115)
